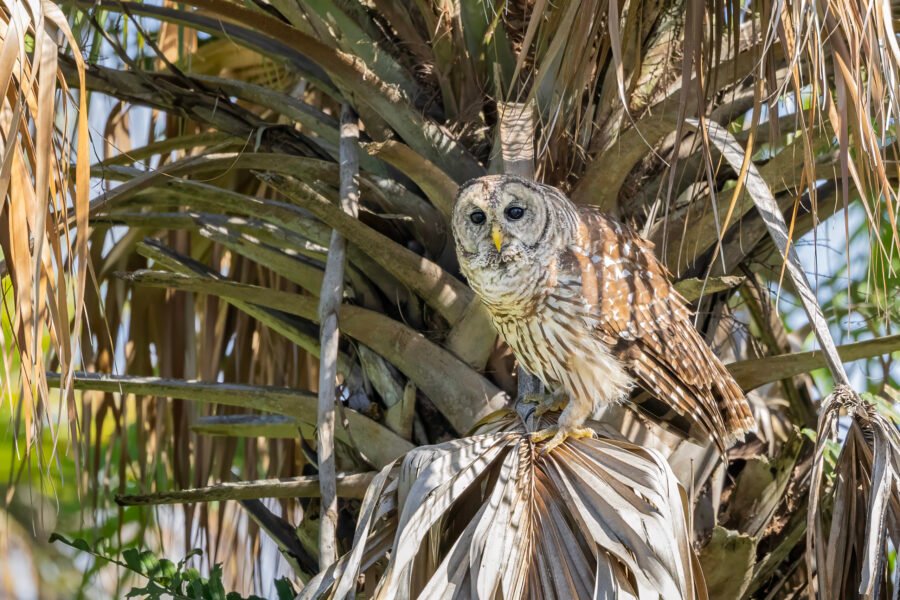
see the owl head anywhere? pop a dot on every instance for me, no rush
(501, 220)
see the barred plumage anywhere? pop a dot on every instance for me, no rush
(586, 306)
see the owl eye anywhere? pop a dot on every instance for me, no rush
(478, 217)
(515, 212)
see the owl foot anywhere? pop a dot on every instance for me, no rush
(557, 436)
(550, 404)
(545, 402)
(533, 398)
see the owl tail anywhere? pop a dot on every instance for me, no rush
(695, 424)
(664, 415)
(734, 407)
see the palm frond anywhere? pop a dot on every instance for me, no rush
(488, 516)
(726, 131)
(43, 173)
(852, 524)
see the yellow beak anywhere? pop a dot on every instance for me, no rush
(497, 237)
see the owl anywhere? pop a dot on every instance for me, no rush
(585, 305)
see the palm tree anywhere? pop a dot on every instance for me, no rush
(297, 168)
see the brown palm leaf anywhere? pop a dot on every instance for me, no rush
(852, 526)
(43, 170)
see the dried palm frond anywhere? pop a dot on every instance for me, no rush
(488, 516)
(44, 161)
(854, 523)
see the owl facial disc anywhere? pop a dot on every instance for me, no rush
(502, 219)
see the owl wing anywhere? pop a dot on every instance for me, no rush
(648, 325)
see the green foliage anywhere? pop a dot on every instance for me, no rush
(165, 578)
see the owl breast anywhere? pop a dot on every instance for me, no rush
(555, 341)
(510, 291)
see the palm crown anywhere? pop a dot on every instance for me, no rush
(177, 303)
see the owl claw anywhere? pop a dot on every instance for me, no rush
(545, 403)
(557, 436)
(550, 405)
(533, 398)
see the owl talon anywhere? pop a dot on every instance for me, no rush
(557, 436)
(550, 405)
(545, 402)
(533, 398)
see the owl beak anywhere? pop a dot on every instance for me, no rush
(497, 237)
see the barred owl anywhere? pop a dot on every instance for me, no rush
(586, 307)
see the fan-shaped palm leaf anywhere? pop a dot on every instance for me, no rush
(488, 516)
